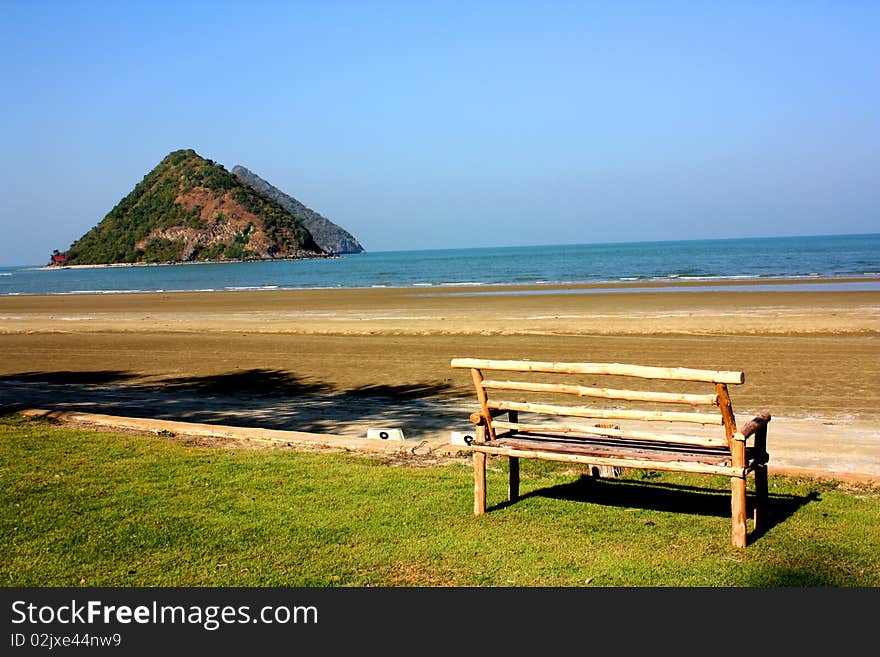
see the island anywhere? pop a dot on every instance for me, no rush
(191, 209)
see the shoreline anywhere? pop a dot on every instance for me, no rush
(842, 283)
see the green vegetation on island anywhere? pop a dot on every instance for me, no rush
(191, 209)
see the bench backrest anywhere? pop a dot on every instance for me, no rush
(536, 379)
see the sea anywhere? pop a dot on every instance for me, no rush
(781, 262)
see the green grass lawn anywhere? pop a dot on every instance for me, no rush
(99, 509)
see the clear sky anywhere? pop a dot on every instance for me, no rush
(446, 124)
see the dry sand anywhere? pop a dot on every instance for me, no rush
(341, 360)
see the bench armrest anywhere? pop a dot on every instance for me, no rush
(478, 419)
(757, 425)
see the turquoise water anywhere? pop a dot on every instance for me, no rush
(705, 261)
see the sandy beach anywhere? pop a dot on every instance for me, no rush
(362, 356)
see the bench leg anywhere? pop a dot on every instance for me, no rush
(738, 510)
(479, 483)
(761, 494)
(513, 486)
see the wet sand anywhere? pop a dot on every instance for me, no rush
(805, 354)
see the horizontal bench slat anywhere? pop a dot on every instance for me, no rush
(624, 448)
(616, 369)
(617, 433)
(604, 393)
(605, 414)
(674, 466)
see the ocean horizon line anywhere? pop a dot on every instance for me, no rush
(550, 245)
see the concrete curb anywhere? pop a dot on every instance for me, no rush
(276, 437)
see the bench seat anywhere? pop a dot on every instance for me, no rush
(624, 452)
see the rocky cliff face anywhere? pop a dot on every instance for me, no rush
(187, 209)
(330, 237)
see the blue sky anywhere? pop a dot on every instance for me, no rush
(445, 124)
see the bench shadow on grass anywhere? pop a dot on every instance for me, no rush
(677, 498)
(261, 398)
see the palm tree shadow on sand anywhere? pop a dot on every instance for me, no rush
(261, 398)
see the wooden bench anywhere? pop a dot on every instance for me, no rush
(549, 433)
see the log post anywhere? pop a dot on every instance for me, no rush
(738, 460)
(513, 486)
(480, 433)
(761, 496)
(727, 416)
(479, 483)
(761, 484)
(738, 495)
(738, 511)
(477, 376)
(480, 472)
(513, 483)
